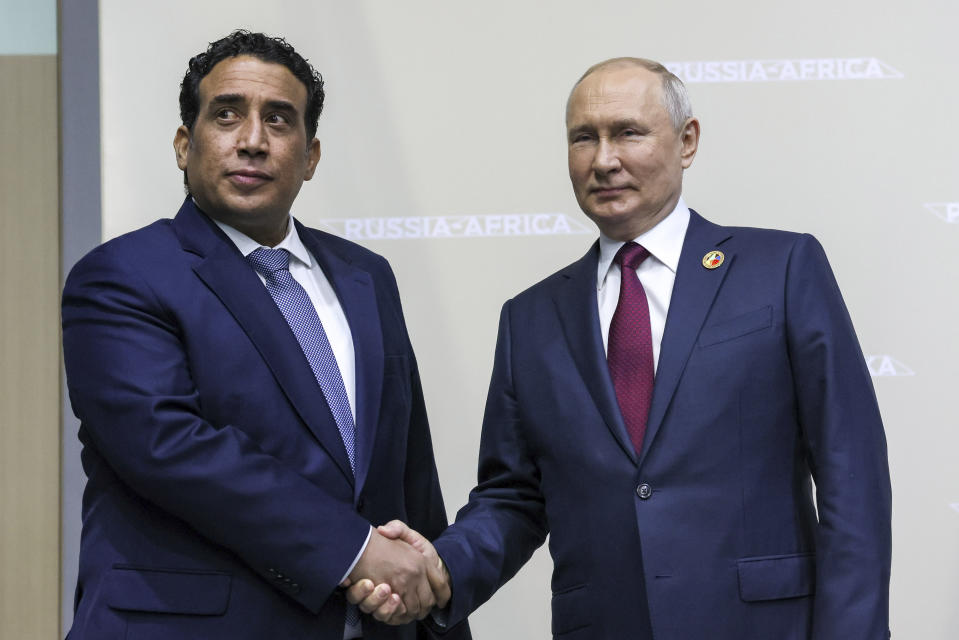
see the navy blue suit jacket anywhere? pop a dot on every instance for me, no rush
(761, 388)
(220, 501)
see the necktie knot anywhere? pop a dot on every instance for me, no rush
(268, 261)
(631, 255)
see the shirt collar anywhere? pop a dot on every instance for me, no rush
(291, 242)
(664, 242)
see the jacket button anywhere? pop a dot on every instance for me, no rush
(644, 491)
(360, 504)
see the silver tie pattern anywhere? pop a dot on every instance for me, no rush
(298, 310)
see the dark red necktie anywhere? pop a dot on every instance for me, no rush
(630, 346)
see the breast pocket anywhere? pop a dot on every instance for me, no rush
(741, 325)
(396, 370)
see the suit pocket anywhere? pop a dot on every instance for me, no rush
(203, 593)
(735, 327)
(571, 610)
(395, 402)
(777, 577)
(396, 366)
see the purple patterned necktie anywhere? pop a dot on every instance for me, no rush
(300, 314)
(630, 346)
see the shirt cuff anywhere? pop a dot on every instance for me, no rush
(441, 617)
(358, 555)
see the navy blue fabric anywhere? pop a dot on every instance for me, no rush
(210, 452)
(298, 311)
(711, 530)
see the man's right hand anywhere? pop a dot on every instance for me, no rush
(376, 598)
(402, 573)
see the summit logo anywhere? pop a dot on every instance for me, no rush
(945, 211)
(887, 366)
(787, 70)
(477, 226)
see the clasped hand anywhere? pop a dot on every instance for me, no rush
(399, 578)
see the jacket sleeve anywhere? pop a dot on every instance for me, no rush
(843, 432)
(130, 384)
(504, 521)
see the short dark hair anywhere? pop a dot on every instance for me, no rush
(266, 48)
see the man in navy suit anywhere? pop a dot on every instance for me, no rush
(249, 398)
(665, 421)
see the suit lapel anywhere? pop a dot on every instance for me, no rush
(223, 269)
(575, 298)
(357, 295)
(694, 290)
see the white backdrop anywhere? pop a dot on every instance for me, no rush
(446, 118)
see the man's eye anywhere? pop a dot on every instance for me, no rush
(226, 114)
(277, 118)
(582, 137)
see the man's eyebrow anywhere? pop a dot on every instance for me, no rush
(226, 98)
(237, 98)
(619, 123)
(626, 123)
(281, 105)
(580, 128)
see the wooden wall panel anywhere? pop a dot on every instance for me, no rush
(29, 349)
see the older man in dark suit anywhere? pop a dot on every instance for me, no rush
(662, 406)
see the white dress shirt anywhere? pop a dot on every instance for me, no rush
(657, 273)
(307, 271)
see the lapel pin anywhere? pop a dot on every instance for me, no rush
(713, 259)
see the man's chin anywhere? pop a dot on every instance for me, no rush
(242, 211)
(611, 213)
(251, 205)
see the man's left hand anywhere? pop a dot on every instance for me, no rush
(379, 600)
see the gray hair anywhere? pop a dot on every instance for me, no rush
(675, 98)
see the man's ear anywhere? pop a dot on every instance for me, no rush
(181, 146)
(689, 139)
(312, 158)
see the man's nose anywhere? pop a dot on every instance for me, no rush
(252, 138)
(606, 159)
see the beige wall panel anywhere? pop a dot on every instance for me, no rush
(29, 357)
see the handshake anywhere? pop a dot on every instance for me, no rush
(399, 578)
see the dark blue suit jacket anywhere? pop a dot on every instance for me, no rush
(220, 501)
(761, 388)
